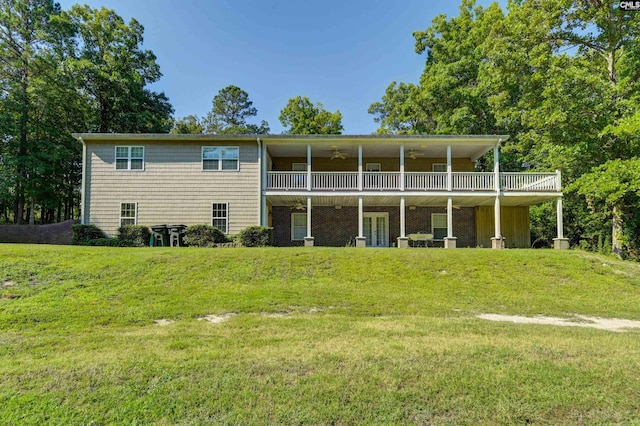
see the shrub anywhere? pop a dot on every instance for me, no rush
(256, 236)
(84, 233)
(203, 236)
(109, 242)
(139, 235)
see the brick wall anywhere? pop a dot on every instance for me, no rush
(335, 228)
(55, 233)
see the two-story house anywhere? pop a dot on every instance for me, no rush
(328, 190)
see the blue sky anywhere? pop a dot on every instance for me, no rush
(342, 53)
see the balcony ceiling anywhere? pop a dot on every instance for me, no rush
(423, 150)
(290, 200)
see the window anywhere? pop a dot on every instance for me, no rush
(439, 167)
(373, 167)
(299, 167)
(298, 226)
(128, 213)
(220, 158)
(220, 216)
(129, 158)
(439, 226)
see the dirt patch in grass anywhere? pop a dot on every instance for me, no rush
(609, 324)
(217, 319)
(7, 284)
(163, 321)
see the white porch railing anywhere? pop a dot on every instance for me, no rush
(381, 181)
(528, 182)
(413, 181)
(334, 181)
(286, 180)
(473, 181)
(436, 181)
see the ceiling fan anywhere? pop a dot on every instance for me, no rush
(337, 154)
(413, 154)
(298, 205)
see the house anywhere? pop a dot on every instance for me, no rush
(326, 190)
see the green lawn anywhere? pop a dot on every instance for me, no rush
(319, 336)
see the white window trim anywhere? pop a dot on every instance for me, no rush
(219, 169)
(304, 167)
(292, 227)
(377, 165)
(135, 217)
(129, 148)
(226, 209)
(433, 228)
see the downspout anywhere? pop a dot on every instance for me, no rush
(260, 212)
(83, 184)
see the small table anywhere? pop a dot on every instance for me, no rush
(421, 238)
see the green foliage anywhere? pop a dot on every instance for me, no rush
(109, 242)
(189, 125)
(256, 236)
(304, 118)
(561, 77)
(83, 233)
(114, 72)
(203, 236)
(229, 114)
(63, 72)
(138, 235)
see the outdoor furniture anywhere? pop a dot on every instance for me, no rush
(420, 239)
(175, 234)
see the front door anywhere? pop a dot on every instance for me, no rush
(376, 229)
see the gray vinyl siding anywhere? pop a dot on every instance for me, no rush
(172, 188)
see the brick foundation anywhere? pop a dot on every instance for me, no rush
(338, 228)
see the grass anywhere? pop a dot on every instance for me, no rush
(320, 336)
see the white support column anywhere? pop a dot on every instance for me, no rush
(403, 241)
(450, 240)
(360, 239)
(449, 173)
(497, 242)
(559, 218)
(359, 167)
(264, 212)
(308, 240)
(402, 170)
(496, 168)
(402, 218)
(561, 242)
(308, 167)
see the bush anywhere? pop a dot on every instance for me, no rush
(109, 242)
(256, 236)
(139, 235)
(203, 236)
(84, 233)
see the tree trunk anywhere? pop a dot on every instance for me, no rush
(616, 232)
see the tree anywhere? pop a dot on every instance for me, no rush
(190, 125)
(113, 70)
(304, 118)
(25, 31)
(399, 112)
(229, 114)
(614, 188)
(64, 72)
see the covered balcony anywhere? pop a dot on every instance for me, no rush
(411, 181)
